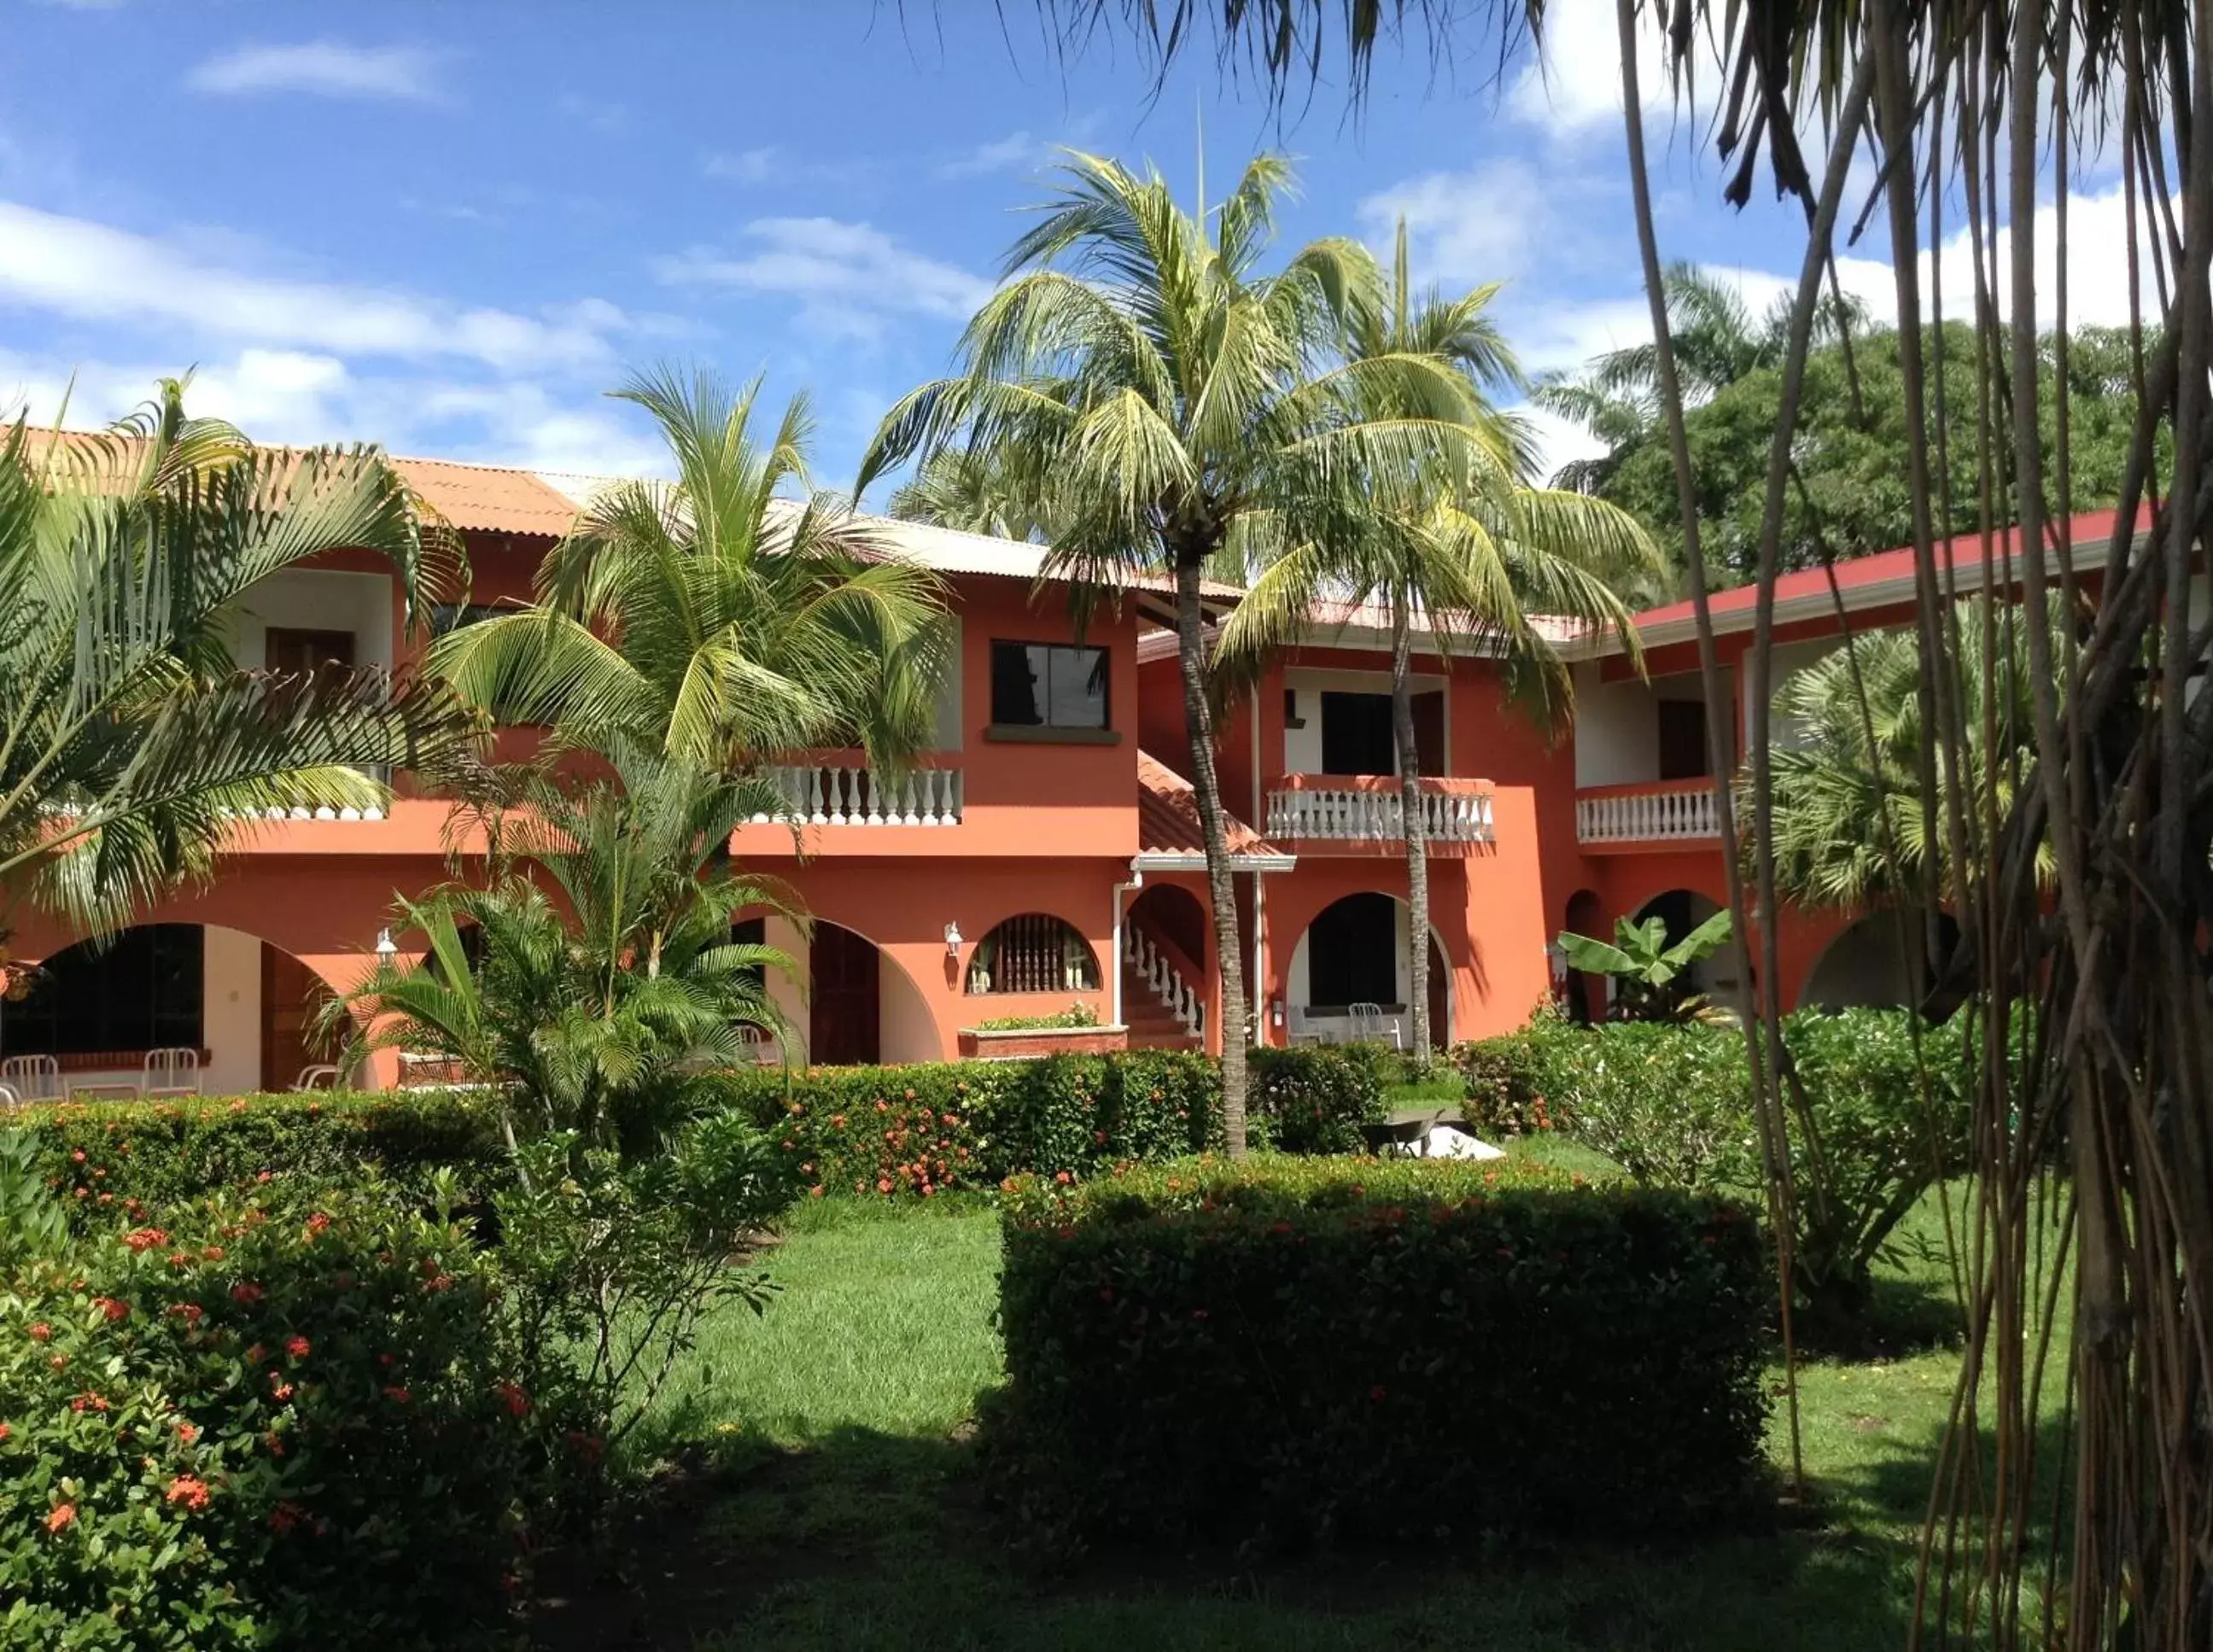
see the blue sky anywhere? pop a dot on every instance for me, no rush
(452, 228)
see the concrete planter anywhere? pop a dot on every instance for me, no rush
(1021, 1041)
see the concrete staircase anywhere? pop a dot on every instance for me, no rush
(1161, 1005)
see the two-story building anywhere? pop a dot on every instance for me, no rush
(1047, 852)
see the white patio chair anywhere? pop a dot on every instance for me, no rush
(175, 1070)
(1371, 1026)
(33, 1078)
(9, 1100)
(322, 1075)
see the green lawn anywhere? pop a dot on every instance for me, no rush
(836, 1507)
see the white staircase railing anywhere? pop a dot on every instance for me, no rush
(833, 794)
(1183, 1001)
(1357, 815)
(1657, 815)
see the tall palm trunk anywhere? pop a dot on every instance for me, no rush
(1416, 829)
(1206, 788)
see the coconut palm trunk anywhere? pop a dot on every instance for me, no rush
(1417, 828)
(1221, 883)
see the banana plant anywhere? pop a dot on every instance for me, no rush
(1650, 971)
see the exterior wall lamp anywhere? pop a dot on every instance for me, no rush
(953, 940)
(1555, 956)
(386, 951)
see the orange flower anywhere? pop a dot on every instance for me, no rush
(187, 1433)
(41, 1331)
(397, 1395)
(5, 1431)
(114, 1310)
(297, 1347)
(188, 1490)
(63, 1514)
(517, 1402)
(145, 1239)
(245, 1293)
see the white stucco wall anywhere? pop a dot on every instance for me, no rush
(311, 599)
(231, 1013)
(1617, 731)
(788, 990)
(1302, 746)
(1788, 657)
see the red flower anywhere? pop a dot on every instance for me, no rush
(1061, 1177)
(41, 1331)
(188, 1490)
(396, 1394)
(256, 1354)
(280, 1392)
(1376, 1394)
(187, 1433)
(883, 1184)
(247, 1294)
(297, 1347)
(318, 1222)
(63, 1514)
(88, 1401)
(275, 1442)
(115, 1311)
(213, 1252)
(180, 1259)
(438, 1281)
(145, 1239)
(816, 1190)
(5, 1431)
(285, 1516)
(57, 1361)
(517, 1402)
(586, 1446)
(77, 1156)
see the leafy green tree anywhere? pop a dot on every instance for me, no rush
(132, 747)
(598, 985)
(1168, 396)
(1648, 972)
(1850, 487)
(1466, 551)
(709, 618)
(976, 492)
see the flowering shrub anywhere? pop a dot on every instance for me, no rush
(1516, 1085)
(256, 1425)
(891, 1132)
(1341, 1349)
(108, 1156)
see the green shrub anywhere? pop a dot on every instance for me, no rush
(261, 1425)
(926, 1129)
(1335, 1350)
(141, 1155)
(1514, 1084)
(1669, 1103)
(1077, 1015)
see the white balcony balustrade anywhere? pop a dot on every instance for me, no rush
(835, 794)
(1178, 996)
(1452, 812)
(1667, 811)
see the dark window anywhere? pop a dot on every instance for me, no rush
(1291, 718)
(1683, 753)
(1035, 953)
(452, 616)
(1352, 954)
(1048, 685)
(140, 991)
(1355, 733)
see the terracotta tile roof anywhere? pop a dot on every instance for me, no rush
(1168, 820)
(490, 498)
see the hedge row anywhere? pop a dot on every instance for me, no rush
(881, 1132)
(1344, 1349)
(922, 1129)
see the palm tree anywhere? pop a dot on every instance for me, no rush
(975, 492)
(132, 747)
(604, 1012)
(1849, 827)
(711, 619)
(1468, 551)
(1170, 397)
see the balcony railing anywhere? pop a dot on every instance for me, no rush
(1660, 811)
(1371, 808)
(836, 793)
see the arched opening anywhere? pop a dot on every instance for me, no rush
(1172, 915)
(1873, 963)
(1354, 954)
(1033, 952)
(249, 1010)
(1720, 976)
(1583, 995)
(861, 1007)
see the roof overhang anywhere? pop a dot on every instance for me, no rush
(1179, 862)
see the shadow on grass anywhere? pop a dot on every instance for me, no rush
(870, 1540)
(1900, 1317)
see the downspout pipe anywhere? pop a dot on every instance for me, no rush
(1137, 881)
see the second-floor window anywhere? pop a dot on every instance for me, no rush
(1049, 685)
(452, 616)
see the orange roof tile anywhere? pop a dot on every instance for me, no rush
(488, 497)
(1168, 820)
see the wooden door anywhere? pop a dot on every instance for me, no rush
(291, 995)
(290, 650)
(1683, 753)
(842, 1021)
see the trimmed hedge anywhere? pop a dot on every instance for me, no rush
(923, 1130)
(145, 1154)
(1343, 1351)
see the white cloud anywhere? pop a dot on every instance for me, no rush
(1477, 225)
(90, 272)
(323, 69)
(1572, 85)
(848, 277)
(1007, 154)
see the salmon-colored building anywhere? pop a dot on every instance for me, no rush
(1046, 853)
